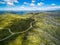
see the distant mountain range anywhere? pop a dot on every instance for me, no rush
(22, 12)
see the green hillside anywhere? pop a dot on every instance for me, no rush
(29, 29)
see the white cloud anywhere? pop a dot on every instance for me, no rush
(41, 8)
(2, 2)
(40, 4)
(10, 2)
(33, 1)
(22, 8)
(16, 1)
(32, 4)
(53, 4)
(26, 3)
(50, 8)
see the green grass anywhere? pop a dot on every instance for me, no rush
(42, 33)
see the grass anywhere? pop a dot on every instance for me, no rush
(42, 33)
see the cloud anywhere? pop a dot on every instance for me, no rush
(33, 1)
(9, 2)
(16, 1)
(26, 3)
(48, 8)
(53, 4)
(2, 2)
(34, 8)
(32, 4)
(40, 4)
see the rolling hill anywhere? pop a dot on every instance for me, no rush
(29, 29)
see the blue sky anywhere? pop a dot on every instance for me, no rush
(17, 5)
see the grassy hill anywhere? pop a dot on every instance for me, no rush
(29, 29)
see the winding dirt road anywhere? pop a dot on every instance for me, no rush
(12, 33)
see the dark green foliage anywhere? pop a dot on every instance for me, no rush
(4, 33)
(20, 25)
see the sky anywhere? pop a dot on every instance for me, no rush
(19, 5)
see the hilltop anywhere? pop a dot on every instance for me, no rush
(29, 29)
